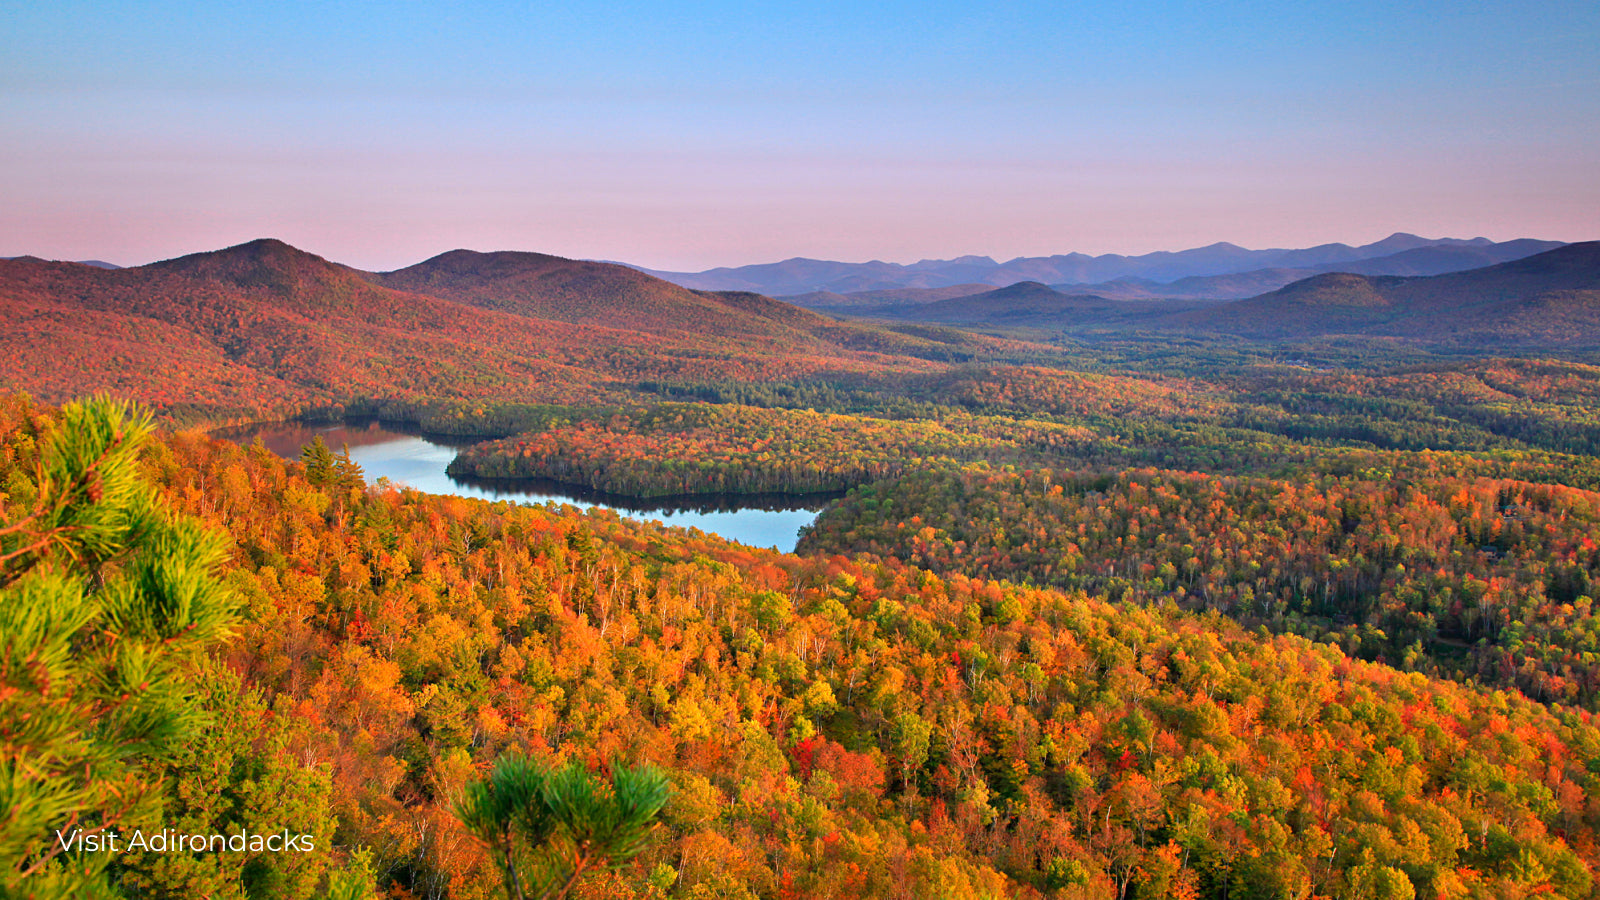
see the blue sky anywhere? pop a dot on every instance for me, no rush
(685, 135)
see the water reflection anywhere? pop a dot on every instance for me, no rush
(418, 461)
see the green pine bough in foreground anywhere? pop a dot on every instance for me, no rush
(546, 827)
(107, 602)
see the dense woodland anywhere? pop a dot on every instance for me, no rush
(831, 727)
(1100, 616)
(1475, 577)
(676, 449)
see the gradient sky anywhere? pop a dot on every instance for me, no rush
(686, 135)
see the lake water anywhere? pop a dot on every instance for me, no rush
(419, 462)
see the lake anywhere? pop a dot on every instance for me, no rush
(418, 461)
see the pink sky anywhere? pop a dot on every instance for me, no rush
(723, 134)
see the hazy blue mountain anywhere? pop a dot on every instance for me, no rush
(1550, 298)
(1546, 298)
(97, 263)
(1443, 259)
(864, 302)
(1026, 304)
(1086, 273)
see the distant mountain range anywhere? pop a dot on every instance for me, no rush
(97, 263)
(1548, 299)
(266, 325)
(1119, 277)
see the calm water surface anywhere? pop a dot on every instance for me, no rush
(419, 462)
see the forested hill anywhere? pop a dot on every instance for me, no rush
(580, 292)
(1549, 298)
(1027, 304)
(265, 325)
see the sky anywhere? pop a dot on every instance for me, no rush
(683, 135)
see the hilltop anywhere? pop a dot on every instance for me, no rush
(266, 325)
(581, 292)
(1551, 297)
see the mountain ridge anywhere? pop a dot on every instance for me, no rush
(550, 287)
(1506, 303)
(1429, 260)
(801, 275)
(264, 324)
(1554, 295)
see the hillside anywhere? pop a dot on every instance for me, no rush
(265, 325)
(864, 302)
(1026, 304)
(1232, 286)
(1551, 296)
(831, 725)
(1439, 260)
(580, 292)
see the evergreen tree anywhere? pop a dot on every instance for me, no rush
(546, 827)
(106, 603)
(319, 461)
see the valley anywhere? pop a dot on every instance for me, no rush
(1160, 594)
(409, 459)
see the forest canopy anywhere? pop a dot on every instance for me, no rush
(1092, 612)
(828, 725)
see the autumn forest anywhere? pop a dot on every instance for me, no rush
(1222, 605)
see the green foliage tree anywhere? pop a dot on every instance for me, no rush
(318, 460)
(106, 603)
(546, 827)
